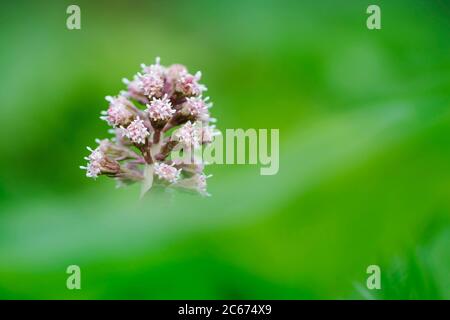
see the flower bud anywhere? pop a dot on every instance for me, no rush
(167, 172)
(120, 111)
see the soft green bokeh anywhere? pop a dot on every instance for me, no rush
(364, 119)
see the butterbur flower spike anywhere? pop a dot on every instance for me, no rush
(156, 100)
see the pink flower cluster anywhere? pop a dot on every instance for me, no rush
(157, 100)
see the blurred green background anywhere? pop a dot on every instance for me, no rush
(364, 119)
